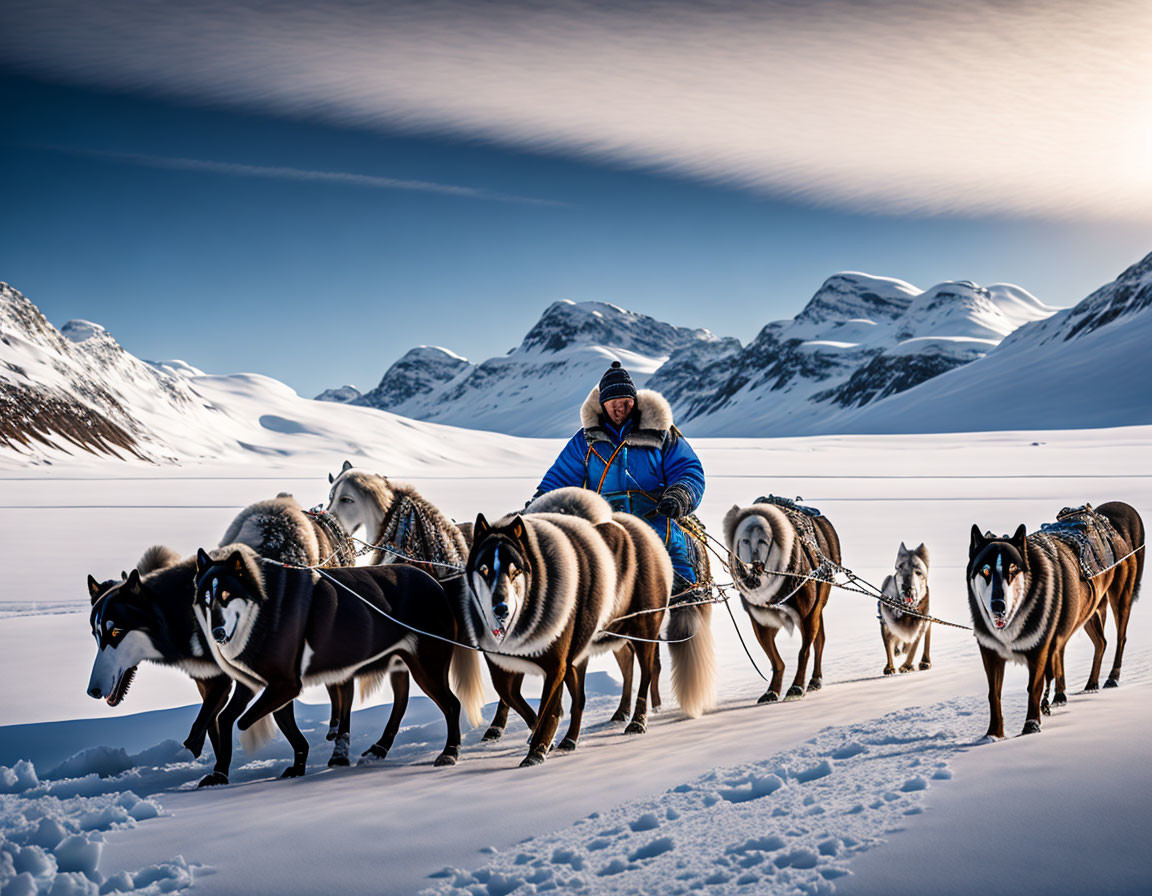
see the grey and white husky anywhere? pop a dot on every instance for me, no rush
(774, 564)
(908, 590)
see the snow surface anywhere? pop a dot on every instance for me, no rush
(871, 785)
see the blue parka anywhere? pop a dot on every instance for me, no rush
(645, 455)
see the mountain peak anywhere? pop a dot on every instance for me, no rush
(853, 295)
(566, 323)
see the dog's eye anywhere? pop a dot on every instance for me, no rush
(116, 633)
(513, 572)
(483, 570)
(986, 571)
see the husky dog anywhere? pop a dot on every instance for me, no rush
(297, 537)
(277, 629)
(900, 631)
(542, 586)
(643, 586)
(154, 607)
(393, 514)
(765, 540)
(1028, 595)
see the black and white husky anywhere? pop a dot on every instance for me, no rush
(1028, 595)
(907, 589)
(154, 607)
(774, 564)
(276, 629)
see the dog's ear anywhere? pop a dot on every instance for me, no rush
(123, 576)
(203, 561)
(93, 589)
(922, 553)
(977, 542)
(903, 552)
(1020, 541)
(331, 478)
(133, 583)
(480, 528)
(347, 466)
(518, 528)
(236, 561)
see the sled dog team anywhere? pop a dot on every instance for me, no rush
(279, 606)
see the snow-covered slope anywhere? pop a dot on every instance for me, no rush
(76, 391)
(1086, 366)
(537, 388)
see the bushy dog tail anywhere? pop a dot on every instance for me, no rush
(258, 735)
(468, 683)
(159, 556)
(694, 660)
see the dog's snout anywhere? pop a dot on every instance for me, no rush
(95, 693)
(998, 607)
(219, 633)
(501, 610)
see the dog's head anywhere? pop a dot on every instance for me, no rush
(124, 624)
(758, 550)
(226, 593)
(357, 498)
(499, 574)
(998, 574)
(911, 576)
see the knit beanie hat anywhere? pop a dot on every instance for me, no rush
(616, 383)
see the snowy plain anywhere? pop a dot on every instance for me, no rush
(871, 785)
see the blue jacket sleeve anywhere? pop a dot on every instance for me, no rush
(682, 467)
(568, 469)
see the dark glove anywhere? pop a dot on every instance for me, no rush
(675, 502)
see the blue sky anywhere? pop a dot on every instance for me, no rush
(315, 240)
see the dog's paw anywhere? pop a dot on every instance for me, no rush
(621, 715)
(815, 684)
(636, 726)
(794, 693)
(989, 739)
(1093, 687)
(1061, 699)
(493, 733)
(293, 771)
(769, 697)
(213, 780)
(925, 665)
(372, 755)
(195, 747)
(1032, 726)
(536, 757)
(905, 669)
(566, 746)
(889, 670)
(1045, 708)
(450, 756)
(333, 730)
(1112, 683)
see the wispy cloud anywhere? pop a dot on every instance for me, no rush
(907, 106)
(278, 172)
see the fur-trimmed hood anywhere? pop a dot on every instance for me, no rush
(650, 431)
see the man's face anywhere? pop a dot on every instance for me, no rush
(618, 409)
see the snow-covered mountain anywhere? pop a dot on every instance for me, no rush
(860, 338)
(1085, 366)
(76, 391)
(537, 388)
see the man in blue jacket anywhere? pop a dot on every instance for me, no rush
(629, 452)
